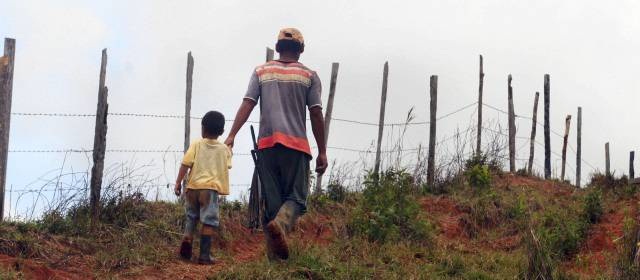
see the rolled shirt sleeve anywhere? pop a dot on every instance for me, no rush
(314, 97)
(253, 91)
(190, 156)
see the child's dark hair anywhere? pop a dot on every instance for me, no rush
(213, 123)
(289, 46)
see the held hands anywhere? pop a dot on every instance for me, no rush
(321, 163)
(178, 189)
(229, 141)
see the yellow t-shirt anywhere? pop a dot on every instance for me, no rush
(210, 162)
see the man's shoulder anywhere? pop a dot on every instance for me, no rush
(274, 64)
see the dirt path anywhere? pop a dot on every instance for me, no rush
(246, 247)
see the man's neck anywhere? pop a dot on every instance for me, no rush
(288, 57)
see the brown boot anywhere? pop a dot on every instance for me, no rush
(278, 242)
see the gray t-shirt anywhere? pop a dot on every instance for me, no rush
(285, 90)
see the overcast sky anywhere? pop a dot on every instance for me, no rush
(588, 47)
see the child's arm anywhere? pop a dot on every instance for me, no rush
(181, 173)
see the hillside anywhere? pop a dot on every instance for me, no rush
(505, 227)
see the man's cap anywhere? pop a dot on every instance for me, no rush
(292, 34)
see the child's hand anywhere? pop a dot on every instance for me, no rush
(178, 189)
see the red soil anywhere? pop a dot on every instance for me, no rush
(447, 215)
(35, 270)
(548, 187)
(597, 253)
(245, 246)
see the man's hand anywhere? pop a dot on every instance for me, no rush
(229, 141)
(321, 164)
(178, 189)
(241, 117)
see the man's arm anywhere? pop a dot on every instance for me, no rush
(241, 117)
(317, 125)
(181, 173)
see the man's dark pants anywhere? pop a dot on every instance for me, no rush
(285, 183)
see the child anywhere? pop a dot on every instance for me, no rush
(208, 162)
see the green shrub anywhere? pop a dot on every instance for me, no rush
(522, 172)
(55, 222)
(336, 192)
(539, 264)
(608, 181)
(478, 176)
(494, 164)
(386, 213)
(451, 266)
(561, 233)
(518, 210)
(626, 266)
(319, 201)
(486, 208)
(593, 206)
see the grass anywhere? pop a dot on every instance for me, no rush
(512, 231)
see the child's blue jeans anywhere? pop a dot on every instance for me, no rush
(201, 205)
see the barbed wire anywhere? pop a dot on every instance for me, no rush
(26, 189)
(170, 116)
(141, 151)
(522, 117)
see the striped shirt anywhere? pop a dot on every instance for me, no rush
(285, 91)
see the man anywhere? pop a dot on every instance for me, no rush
(284, 87)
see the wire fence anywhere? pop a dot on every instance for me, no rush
(27, 189)
(348, 149)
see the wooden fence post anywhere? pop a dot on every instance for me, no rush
(547, 129)
(631, 168)
(269, 54)
(328, 113)
(7, 62)
(579, 149)
(187, 104)
(433, 92)
(564, 146)
(383, 102)
(607, 160)
(99, 141)
(480, 87)
(534, 123)
(512, 128)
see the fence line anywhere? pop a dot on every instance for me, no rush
(102, 116)
(167, 116)
(36, 190)
(366, 151)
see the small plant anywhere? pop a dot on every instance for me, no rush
(452, 266)
(522, 172)
(486, 209)
(386, 213)
(593, 206)
(319, 201)
(561, 233)
(540, 265)
(336, 192)
(628, 263)
(519, 209)
(608, 181)
(478, 176)
(483, 159)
